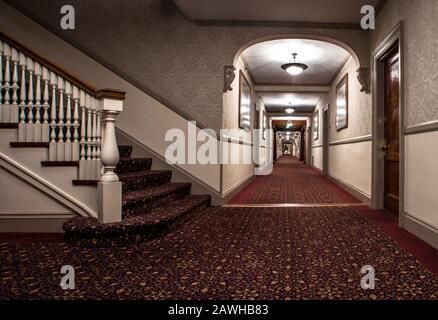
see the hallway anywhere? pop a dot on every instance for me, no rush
(292, 183)
(241, 253)
(247, 150)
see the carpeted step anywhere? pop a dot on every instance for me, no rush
(126, 165)
(139, 202)
(88, 232)
(125, 151)
(134, 181)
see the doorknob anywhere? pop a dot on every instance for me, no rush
(384, 146)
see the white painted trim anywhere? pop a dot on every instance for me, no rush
(38, 215)
(237, 186)
(355, 192)
(45, 186)
(365, 138)
(421, 229)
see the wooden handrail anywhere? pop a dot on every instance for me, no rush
(49, 65)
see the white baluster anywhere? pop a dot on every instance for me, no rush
(83, 161)
(14, 107)
(75, 144)
(53, 144)
(1, 80)
(30, 105)
(89, 139)
(37, 107)
(68, 124)
(94, 164)
(7, 85)
(22, 123)
(60, 146)
(45, 128)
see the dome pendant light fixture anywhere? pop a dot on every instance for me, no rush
(289, 109)
(294, 68)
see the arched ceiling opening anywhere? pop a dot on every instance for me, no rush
(324, 59)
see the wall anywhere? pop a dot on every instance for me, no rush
(174, 60)
(317, 145)
(349, 161)
(420, 108)
(233, 174)
(15, 213)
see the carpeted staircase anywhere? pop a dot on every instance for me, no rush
(151, 206)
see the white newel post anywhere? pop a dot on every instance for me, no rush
(110, 104)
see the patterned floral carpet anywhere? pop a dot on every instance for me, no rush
(292, 184)
(228, 253)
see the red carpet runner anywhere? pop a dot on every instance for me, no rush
(292, 184)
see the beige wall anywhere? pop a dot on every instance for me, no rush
(351, 165)
(233, 175)
(421, 174)
(359, 106)
(348, 163)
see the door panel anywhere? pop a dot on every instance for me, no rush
(392, 133)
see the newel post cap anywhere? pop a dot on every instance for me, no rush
(110, 100)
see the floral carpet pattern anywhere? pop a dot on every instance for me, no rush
(294, 184)
(228, 253)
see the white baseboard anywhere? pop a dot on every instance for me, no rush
(33, 222)
(359, 194)
(420, 229)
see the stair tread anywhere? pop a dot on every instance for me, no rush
(6, 125)
(84, 225)
(153, 192)
(144, 179)
(78, 182)
(127, 165)
(60, 163)
(29, 144)
(173, 209)
(143, 173)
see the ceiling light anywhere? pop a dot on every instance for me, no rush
(294, 68)
(289, 109)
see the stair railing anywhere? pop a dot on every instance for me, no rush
(52, 106)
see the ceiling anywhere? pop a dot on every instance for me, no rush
(301, 102)
(315, 11)
(324, 60)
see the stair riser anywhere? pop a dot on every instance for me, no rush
(133, 165)
(141, 207)
(143, 182)
(137, 236)
(125, 151)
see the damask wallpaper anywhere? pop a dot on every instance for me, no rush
(151, 43)
(421, 58)
(359, 107)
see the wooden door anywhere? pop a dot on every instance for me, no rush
(391, 147)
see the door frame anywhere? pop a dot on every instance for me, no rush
(325, 139)
(395, 38)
